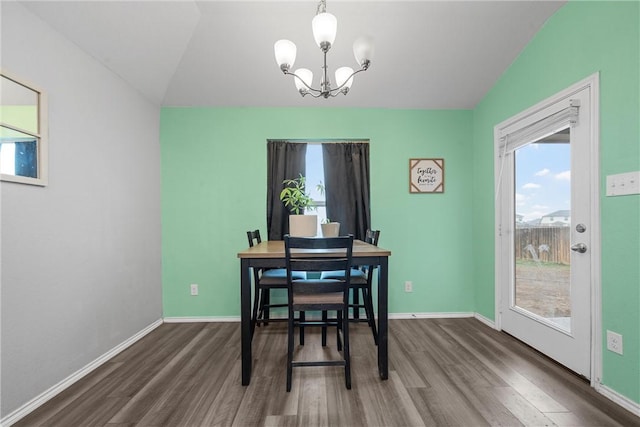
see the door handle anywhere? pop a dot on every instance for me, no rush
(579, 247)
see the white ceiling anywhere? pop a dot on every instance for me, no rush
(429, 54)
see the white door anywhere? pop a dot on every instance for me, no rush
(546, 225)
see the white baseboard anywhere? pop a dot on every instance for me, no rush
(445, 315)
(621, 400)
(47, 395)
(202, 319)
(490, 323)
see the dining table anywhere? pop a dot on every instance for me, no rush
(271, 254)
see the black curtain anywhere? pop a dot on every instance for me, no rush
(346, 175)
(26, 159)
(285, 160)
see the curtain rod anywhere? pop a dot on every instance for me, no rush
(323, 140)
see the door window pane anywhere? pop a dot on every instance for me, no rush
(542, 229)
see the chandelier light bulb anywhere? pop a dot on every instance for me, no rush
(285, 51)
(325, 27)
(363, 50)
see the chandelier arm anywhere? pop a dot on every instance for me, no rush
(345, 82)
(303, 82)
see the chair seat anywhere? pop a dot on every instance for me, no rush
(329, 298)
(358, 277)
(278, 276)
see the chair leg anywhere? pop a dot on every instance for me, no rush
(340, 327)
(325, 318)
(302, 319)
(356, 303)
(346, 353)
(290, 332)
(265, 301)
(256, 299)
(368, 306)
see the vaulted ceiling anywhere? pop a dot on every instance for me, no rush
(429, 54)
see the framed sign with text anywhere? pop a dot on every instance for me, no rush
(426, 175)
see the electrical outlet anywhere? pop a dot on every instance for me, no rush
(408, 286)
(194, 289)
(614, 342)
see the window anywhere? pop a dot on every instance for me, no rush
(23, 129)
(342, 166)
(315, 175)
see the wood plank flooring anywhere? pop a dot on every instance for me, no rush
(442, 372)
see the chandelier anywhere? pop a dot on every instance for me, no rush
(324, 27)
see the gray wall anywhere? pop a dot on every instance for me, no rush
(80, 265)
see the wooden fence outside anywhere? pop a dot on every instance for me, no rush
(545, 244)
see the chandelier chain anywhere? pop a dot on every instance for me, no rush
(322, 7)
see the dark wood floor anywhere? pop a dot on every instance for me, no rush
(443, 372)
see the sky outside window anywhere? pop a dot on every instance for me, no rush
(543, 179)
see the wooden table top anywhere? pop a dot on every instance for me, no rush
(275, 249)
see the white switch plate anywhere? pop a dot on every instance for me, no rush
(408, 286)
(623, 184)
(194, 289)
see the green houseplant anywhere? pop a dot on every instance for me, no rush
(294, 195)
(296, 199)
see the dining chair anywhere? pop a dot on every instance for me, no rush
(361, 282)
(301, 254)
(264, 280)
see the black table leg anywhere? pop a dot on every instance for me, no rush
(383, 318)
(245, 319)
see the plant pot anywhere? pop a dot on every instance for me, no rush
(303, 225)
(331, 229)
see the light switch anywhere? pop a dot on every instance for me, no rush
(623, 184)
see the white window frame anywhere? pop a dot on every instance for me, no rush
(41, 136)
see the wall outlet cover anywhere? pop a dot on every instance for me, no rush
(614, 342)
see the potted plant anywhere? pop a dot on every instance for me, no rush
(296, 199)
(330, 228)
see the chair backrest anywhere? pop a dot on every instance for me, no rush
(253, 236)
(372, 237)
(319, 254)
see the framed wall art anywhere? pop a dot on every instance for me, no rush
(426, 175)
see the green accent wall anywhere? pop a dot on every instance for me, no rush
(580, 39)
(214, 168)
(214, 183)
